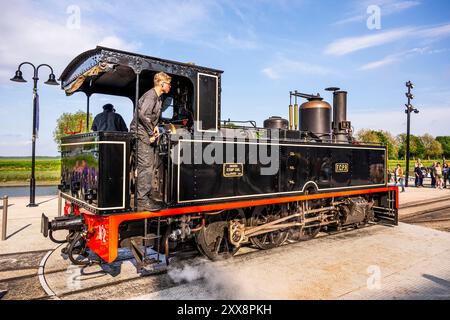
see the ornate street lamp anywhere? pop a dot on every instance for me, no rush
(51, 81)
(409, 108)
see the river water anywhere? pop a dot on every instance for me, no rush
(25, 191)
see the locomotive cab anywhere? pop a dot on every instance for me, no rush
(192, 105)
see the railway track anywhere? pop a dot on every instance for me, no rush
(138, 285)
(19, 275)
(159, 281)
(29, 286)
(434, 214)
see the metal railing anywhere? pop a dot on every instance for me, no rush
(59, 203)
(4, 217)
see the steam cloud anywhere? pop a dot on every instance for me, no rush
(231, 281)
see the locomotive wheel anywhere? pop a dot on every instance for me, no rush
(212, 240)
(312, 232)
(262, 215)
(306, 233)
(302, 233)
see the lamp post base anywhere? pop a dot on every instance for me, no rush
(30, 205)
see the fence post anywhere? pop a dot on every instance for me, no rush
(4, 217)
(59, 203)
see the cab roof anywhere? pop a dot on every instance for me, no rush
(112, 71)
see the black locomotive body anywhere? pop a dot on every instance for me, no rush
(298, 166)
(222, 185)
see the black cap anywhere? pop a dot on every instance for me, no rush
(108, 106)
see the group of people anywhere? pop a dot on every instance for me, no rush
(439, 175)
(148, 116)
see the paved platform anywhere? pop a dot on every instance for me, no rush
(413, 195)
(411, 261)
(24, 224)
(406, 262)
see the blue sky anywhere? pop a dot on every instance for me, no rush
(266, 49)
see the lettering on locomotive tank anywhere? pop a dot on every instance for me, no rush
(341, 167)
(231, 170)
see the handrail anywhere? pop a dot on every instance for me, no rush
(4, 217)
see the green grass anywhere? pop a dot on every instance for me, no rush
(425, 163)
(17, 170)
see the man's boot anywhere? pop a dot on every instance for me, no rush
(155, 206)
(148, 206)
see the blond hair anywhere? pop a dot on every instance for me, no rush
(161, 77)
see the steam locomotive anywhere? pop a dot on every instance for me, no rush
(224, 184)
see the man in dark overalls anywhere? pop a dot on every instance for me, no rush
(109, 120)
(149, 111)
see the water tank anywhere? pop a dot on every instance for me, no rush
(315, 118)
(276, 122)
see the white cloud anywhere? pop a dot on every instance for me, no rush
(388, 7)
(380, 63)
(240, 43)
(269, 72)
(41, 37)
(285, 66)
(435, 32)
(169, 20)
(357, 18)
(395, 58)
(348, 45)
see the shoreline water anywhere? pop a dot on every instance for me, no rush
(24, 191)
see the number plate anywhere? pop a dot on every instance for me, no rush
(231, 170)
(341, 167)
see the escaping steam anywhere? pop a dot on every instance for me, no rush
(223, 280)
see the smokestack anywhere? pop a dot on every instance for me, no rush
(340, 124)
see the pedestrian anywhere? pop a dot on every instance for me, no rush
(400, 177)
(433, 175)
(438, 171)
(416, 176)
(445, 174)
(419, 175)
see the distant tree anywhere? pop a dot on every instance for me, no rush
(383, 137)
(432, 148)
(70, 122)
(445, 142)
(368, 136)
(416, 149)
(388, 140)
